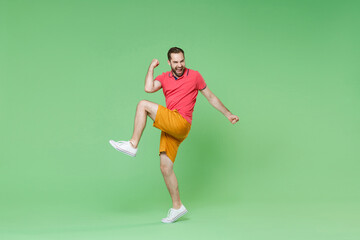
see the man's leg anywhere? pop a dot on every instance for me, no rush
(166, 166)
(144, 109)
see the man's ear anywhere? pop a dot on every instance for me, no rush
(169, 62)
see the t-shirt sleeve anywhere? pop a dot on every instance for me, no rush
(160, 78)
(201, 85)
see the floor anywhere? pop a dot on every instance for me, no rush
(233, 221)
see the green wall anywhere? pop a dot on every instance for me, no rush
(72, 73)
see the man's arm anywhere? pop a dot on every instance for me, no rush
(152, 85)
(216, 103)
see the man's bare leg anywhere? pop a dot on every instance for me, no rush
(166, 166)
(144, 108)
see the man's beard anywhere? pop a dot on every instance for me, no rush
(176, 73)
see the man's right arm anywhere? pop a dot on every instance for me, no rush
(152, 85)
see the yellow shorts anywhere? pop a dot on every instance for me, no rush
(174, 129)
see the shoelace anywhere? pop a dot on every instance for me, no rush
(169, 212)
(121, 142)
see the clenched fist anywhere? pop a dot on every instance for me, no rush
(233, 118)
(154, 63)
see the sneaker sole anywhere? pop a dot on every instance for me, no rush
(121, 150)
(179, 216)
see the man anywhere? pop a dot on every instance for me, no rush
(180, 87)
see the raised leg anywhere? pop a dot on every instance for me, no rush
(144, 108)
(166, 166)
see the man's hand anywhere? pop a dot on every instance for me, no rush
(233, 118)
(154, 63)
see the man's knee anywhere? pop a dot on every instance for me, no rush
(142, 104)
(166, 165)
(147, 105)
(150, 107)
(165, 170)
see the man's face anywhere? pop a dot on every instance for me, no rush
(177, 64)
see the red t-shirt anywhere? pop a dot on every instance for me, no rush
(180, 93)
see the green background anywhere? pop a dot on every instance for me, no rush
(72, 73)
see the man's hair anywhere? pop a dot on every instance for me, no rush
(174, 50)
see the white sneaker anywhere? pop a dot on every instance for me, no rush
(174, 214)
(125, 147)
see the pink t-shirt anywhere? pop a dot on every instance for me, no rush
(180, 93)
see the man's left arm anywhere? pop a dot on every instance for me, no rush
(216, 103)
